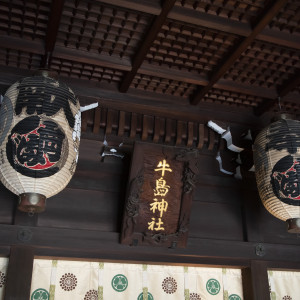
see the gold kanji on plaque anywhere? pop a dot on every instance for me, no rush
(163, 167)
(161, 188)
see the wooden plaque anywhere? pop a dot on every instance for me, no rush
(159, 197)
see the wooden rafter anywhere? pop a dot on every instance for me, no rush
(142, 52)
(210, 21)
(287, 87)
(52, 30)
(139, 101)
(145, 69)
(15, 43)
(266, 17)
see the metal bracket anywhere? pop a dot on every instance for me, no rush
(24, 235)
(260, 250)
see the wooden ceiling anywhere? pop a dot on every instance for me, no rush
(185, 60)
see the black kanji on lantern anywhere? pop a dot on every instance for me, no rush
(285, 180)
(283, 135)
(35, 147)
(44, 95)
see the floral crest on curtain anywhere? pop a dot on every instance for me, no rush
(82, 280)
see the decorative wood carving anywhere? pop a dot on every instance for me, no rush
(160, 193)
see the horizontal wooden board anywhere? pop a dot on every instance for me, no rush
(216, 221)
(83, 209)
(98, 180)
(217, 194)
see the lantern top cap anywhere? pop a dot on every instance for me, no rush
(283, 116)
(46, 73)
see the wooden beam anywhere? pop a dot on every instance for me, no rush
(282, 91)
(233, 27)
(266, 17)
(146, 68)
(211, 21)
(15, 43)
(152, 7)
(142, 52)
(19, 273)
(52, 30)
(192, 78)
(289, 85)
(106, 245)
(103, 60)
(139, 101)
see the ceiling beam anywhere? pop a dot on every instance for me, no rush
(267, 15)
(90, 58)
(289, 85)
(233, 27)
(140, 101)
(123, 64)
(19, 44)
(142, 52)
(60, 52)
(152, 7)
(52, 30)
(282, 91)
(183, 14)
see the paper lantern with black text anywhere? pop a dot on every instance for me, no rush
(277, 169)
(39, 139)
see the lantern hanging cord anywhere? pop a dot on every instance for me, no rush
(279, 104)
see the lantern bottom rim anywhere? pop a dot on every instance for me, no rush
(293, 225)
(32, 202)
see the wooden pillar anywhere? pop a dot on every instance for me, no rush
(18, 280)
(255, 281)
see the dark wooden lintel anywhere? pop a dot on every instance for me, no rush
(106, 245)
(266, 17)
(150, 36)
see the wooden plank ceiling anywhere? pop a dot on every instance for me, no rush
(185, 60)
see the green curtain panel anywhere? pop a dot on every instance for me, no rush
(61, 279)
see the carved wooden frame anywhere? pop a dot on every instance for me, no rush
(130, 235)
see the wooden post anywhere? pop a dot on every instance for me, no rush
(255, 281)
(19, 273)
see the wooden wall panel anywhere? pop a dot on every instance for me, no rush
(8, 203)
(217, 194)
(99, 176)
(223, 207)
(83, 209)
(216, 221)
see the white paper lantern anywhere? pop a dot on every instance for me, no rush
(39, 139)
(277, 169)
